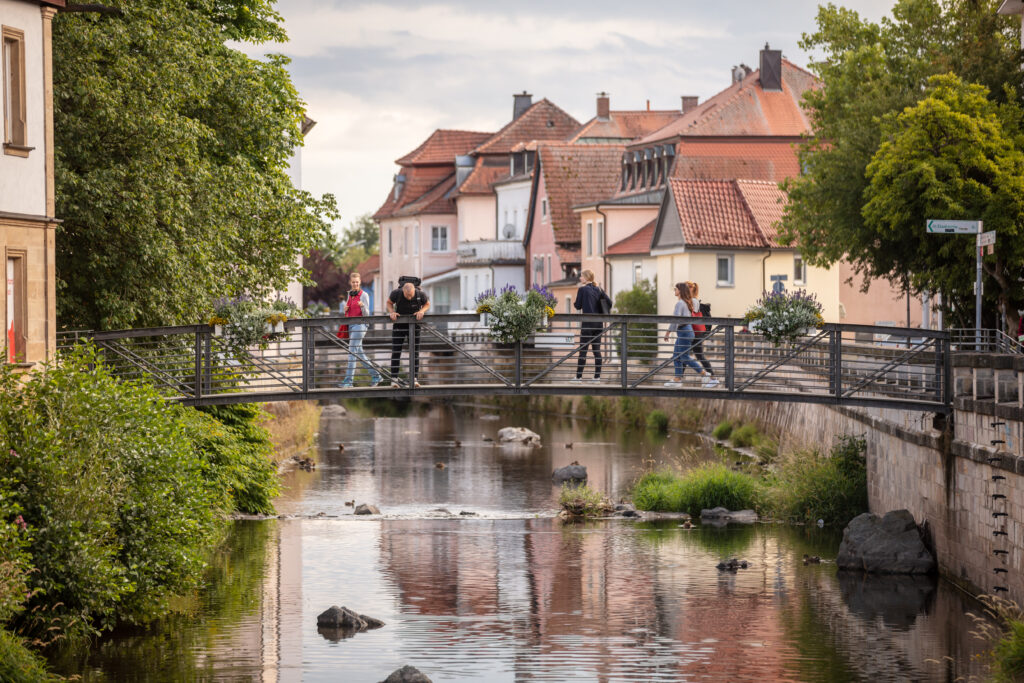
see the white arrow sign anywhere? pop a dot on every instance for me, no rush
(939, 226)
(986, 238)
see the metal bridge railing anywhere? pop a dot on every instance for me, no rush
(836, 364)
(985, 340)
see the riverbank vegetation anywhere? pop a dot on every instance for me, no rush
(1001, 624)
(112, 498)
(583, 501)
(803, 486)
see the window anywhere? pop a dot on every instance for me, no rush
(590, 238)
(725, 270)
(441, 300)
(538, 270)
(600, 237)
(439, 238)
(799, 270)
(416, 240)
(549, 268)
(389, 241)
(15, 309)
(405, 240)
(544, 207)
(15, 134)
(568, 304)
(515, 218)
(638, 272)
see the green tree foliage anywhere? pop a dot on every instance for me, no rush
(641, 338)
(870, 73)
(171, 162)
(121, 499)
(240, 451)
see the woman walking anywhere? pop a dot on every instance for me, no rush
(589, 298)
(684, 340)
(700, 332)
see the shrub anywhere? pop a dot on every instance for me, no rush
(18, 664)
(767, 449)
(121, 508)
(1008, 656)
(744, 436)
(701, 488)
(657, 421)
(722, 430)
(641, 338)
(809, 486)
(239, 448)
(583, 501)
(1001, 622)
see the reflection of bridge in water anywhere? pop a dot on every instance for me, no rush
(855, 365)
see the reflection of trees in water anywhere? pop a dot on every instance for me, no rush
(188, 645)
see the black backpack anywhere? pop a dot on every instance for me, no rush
(409, 278)
(705, 309)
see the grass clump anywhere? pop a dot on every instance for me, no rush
(657, 421)
(722, 430)
(596, 408)
(744, 436)
(704, 487)
(1001, 623)
(583, 501)
(808, 486)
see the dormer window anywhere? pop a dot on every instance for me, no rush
(399, 185)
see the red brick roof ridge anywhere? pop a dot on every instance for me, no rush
(412, 157)
(482, 147)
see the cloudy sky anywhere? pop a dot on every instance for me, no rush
(380, 77)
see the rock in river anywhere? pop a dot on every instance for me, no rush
(892, 544)
(573, 472)
(365, 509)
(518, 435)
(723, 516)
(407, 674)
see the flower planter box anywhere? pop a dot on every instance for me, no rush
(218, 330)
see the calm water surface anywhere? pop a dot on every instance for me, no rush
(511, 594)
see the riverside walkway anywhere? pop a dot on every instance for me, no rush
(854, 365)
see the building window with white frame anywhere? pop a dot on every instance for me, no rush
(439, 238)
(405, 240)
(638, 272)
(799, 270)
(600, 238)
(726, 276)
(590, 238)
(389, 242)
(416, 240)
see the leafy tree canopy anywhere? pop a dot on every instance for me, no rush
(870, 74)
(171, 162)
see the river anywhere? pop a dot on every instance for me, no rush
(510, 593)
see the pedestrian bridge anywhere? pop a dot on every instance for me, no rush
(852, 365)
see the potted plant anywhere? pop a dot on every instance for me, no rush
(784, 316)
(511, 316)
(542, 298)
(277, 314)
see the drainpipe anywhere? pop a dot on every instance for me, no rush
(766, 255)
(604, 246)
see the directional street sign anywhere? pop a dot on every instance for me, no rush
(939, 226)
(986, 238)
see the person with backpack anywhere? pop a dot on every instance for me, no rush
(408, 299)
(700, 332)
(357, 305)
(590, 300)
(684, 340)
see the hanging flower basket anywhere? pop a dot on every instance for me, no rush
(513, 317)
(244, 322)
(784, 316)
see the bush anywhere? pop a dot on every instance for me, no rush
(809, 486)
(1008, 656)
(744, 437)
(722, 430)
(641, 338)
(702, 488)
(657, 421)
(239, 448)
(121, 506)
(583, 501)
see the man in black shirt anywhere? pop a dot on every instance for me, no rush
(407, 300)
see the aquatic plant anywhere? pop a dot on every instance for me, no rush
(722, 430)
(583, 501)
(808, 485)
(704, 487)
(744, 436)
(657, 421)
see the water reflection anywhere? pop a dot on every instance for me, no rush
(508, 596)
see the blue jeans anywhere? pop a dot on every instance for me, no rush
(681, 354)
(355, 351)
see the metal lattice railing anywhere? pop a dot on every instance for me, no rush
(838, 364)
(985, 340)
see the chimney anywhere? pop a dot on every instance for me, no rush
(521, 103)
(603, 105)
(771, 68)
(689, 103)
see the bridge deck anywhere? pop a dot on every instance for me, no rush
(839, 364)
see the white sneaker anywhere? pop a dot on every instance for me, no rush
(576, 380)
(595, 380)
(395, 385)
(673, 384)
(417, 385)
(709, 382)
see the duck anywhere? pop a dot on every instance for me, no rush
(811, 559)
(687, 525)
(569, 445)
(458, 444)
(486, 438)
(732, 565)
(440, 465)
(341, 447)
(350, 503)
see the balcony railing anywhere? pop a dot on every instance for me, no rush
(486, 252)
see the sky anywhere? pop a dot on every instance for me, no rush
(379, 77)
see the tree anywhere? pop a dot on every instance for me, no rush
(171, 159)
(641, 338)
(870, 73)
(948, 156)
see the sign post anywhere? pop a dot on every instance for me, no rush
(937, 226)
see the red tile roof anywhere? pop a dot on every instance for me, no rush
(727, 213)
(745, 108)
(484, 174)
(542, 121)
(574, 175)
(419, 180)
(436, 200)
(569, 254)
(443, 146)
(369, 268)
(729, 159)
(626, 124)
(637, 243)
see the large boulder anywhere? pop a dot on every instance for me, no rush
(570, 473)
(340, 617)
(892, 544)
(333, 410)
(518, 435)
(366, 509)
(720, 516)
(407, 674)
